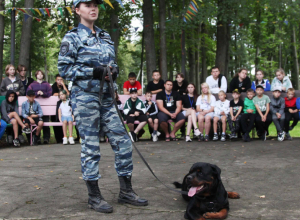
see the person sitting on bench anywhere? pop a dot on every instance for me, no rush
(170, 105)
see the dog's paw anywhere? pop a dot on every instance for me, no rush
(233, 195)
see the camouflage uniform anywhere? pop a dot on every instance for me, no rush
(80, 52)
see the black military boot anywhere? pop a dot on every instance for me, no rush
(96, 200)
(127, 195)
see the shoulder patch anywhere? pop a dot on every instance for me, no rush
(64, 48)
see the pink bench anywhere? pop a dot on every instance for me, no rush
(48, 106)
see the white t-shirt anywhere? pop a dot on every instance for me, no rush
(204, 104)
(222, 107)
(66, 109)
(214, 86)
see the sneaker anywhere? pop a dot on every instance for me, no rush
(264, 136)
(280, 136)
(201, 138)
(216, 137)
(26, 130)
(154, 137)
(21, 138)
(158, 133)
(141, 132)
(206, 138)
(9, 139)
(233, 135)
(223, 137)
(244, 136)
(248, 139)
(197, 132)
(46, 141)
(102, 139)
(39, 139)
(132, 136)
(71, 140)
(16, 142)
(35, 140)
(288, 136)
(65, 140)
(188, 139)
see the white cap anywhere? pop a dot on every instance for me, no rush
(277, 88)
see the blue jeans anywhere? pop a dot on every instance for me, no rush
(2, 128)
(66, 118)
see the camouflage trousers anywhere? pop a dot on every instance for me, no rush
(90, 117)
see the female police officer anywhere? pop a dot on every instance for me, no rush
(84, 53)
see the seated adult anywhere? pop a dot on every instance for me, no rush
(281, 80)
(216, 81)
(240, 81)
(42, 89)
(180, 84)
(189, 110)
(169, 104)
(132, 84)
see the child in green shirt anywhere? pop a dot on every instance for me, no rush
(249, 114)
(263, 117)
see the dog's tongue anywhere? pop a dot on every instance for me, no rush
(192, 191)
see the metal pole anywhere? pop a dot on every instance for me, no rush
(12, 35)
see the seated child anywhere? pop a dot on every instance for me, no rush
(151, 112)
(263, 118)
(134, 109)
(236, 108)
(277, 106)
(221, 111)
(2, 127)
(132, 84)
(290, 112)
(32, 114)
(249, 114)
(65, 116)
(119, 103)
(9, 112)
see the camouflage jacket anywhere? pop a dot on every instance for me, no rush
(80, 52)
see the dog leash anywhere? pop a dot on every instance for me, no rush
(107, 71)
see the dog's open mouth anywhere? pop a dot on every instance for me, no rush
(195, 189)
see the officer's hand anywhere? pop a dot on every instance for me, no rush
(98, 72)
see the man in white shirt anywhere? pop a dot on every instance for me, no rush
(216, 81)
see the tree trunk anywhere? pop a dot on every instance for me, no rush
(197, 57)
(223, 38)
(163, 66)
(280, 51)
(114, 29)
(149, 38)
(222, 47)
(2, 3)
(45, 60)
(203, 54)
(191, 57)
(183, 52)
(26, 37)
(295, 73)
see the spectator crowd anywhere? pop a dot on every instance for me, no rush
(175, 101)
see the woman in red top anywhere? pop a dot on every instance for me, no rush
(291, 112)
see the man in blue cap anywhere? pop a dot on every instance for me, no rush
(84, 54)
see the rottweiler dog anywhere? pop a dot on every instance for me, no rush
(207, 197)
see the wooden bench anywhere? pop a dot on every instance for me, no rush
(48, 106)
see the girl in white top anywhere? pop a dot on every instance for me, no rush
(66, 117)
(222, 109)
(189, 111)
(205, 106)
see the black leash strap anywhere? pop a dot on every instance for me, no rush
(112, 93)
